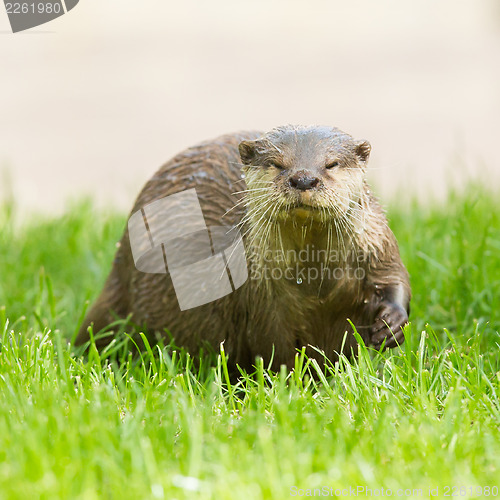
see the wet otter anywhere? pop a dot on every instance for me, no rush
(317, 244)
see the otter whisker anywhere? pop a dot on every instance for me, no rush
(253, 190)
(245, 201)
(256, 224)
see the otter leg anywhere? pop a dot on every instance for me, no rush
(390, 317)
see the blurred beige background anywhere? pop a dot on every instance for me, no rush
(95, 101)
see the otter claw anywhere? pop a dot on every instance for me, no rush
(388, 325)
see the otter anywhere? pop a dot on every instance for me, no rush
(320, 256)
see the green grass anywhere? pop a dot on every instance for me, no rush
(425, 416)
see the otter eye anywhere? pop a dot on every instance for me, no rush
(332, 165)
(277, 166)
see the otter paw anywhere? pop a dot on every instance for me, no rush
(388, 325)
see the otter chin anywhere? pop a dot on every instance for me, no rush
(304, 211)
(302, 208)
(319, 253)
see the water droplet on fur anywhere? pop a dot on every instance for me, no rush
(299, 281)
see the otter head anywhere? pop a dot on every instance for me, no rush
(304, 172)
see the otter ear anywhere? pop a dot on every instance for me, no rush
(247, 149)
(363, 149)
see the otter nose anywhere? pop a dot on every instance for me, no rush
(303, 181)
